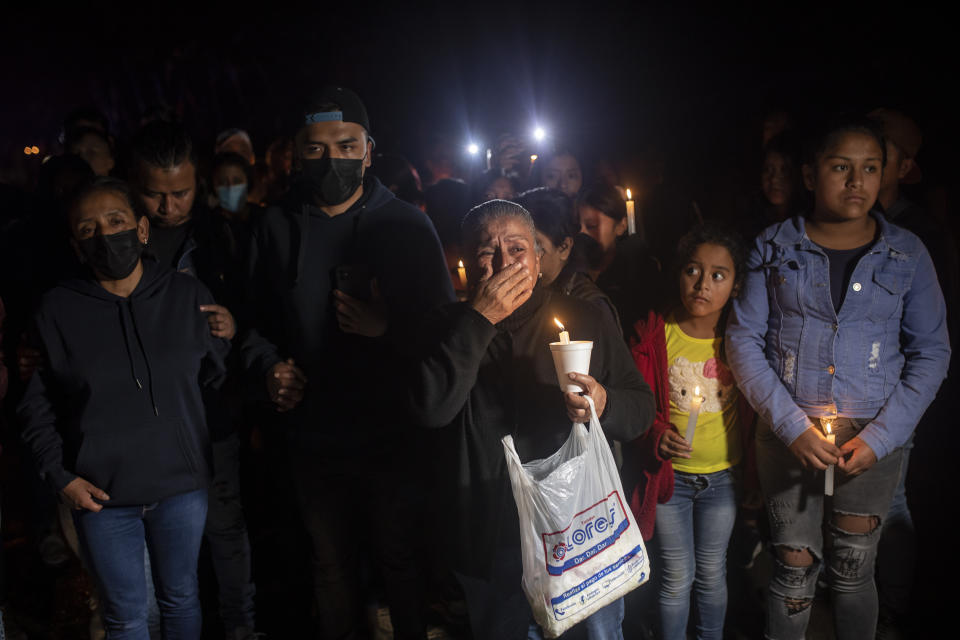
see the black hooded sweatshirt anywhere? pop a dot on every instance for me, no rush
(354, 396)
(118, 401)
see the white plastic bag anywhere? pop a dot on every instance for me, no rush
(581, 547)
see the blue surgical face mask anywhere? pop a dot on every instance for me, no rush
(232, 197)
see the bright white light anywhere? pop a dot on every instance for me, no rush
(473, 149)
(539, 134)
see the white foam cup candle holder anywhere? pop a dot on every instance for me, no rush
(570, 356)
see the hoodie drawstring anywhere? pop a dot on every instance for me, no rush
(143, 351)
(126, 342)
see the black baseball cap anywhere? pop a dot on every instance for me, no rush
(350, 108)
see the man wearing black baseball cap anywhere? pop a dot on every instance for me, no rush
(341, 273)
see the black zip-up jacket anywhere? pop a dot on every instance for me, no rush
(354, 396)
(118, 401)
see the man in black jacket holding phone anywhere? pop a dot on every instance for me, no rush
(340, 273)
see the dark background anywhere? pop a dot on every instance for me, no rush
(692, 81)
(606, 79)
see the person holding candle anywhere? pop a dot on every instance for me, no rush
(563, 260)
(486, 370)
(625, 270)
(688, 461)
(841, 314)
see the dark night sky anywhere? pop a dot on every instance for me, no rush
(695, 81)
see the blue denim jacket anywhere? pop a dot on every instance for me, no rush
(881, 357)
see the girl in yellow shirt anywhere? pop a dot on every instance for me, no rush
(681, 357)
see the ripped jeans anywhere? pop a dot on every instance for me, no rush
(795, 504)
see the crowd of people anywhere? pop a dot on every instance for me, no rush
(170, 310)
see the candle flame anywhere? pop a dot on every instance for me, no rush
(533, 158)
(629, 195)
(460, 264)
(826, 426)
(559, 324)
(696, 391)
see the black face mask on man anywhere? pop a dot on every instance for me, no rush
(331, 180)
(114, 256)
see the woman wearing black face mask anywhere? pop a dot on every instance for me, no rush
(115, 417)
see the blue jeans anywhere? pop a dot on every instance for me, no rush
(693, 530)
(605, 624)
(112, 541)
(499, 610)
(795, 503)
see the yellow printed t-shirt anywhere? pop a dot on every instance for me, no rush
(691, 363)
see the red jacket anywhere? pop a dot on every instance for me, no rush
(648, 478)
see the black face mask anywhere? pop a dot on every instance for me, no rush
(331, 180)
(114, 256)
(590, 249)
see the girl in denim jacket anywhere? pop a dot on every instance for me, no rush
(841, 322)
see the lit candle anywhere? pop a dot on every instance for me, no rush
(828, 476)
(631, 216)
(462, 272)
(695, 403)
(564, 336)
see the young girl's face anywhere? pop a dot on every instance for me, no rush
(846, 178)
(706, 281)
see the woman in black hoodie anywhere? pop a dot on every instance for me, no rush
(115, 418)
